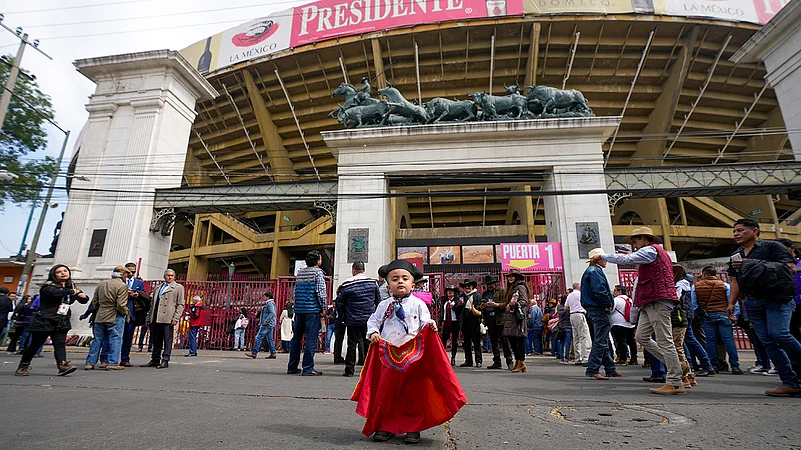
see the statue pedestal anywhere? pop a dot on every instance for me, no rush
(567, 151)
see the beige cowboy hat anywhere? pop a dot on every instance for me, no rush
(643, 231)
(595, 252)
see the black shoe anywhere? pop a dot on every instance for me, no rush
(653, 379)
(478, 364)
(189, 355)
(163, 365)
(495, 366)
(382, 436)
(339, 361)
(704, 373)
(412, 438)
(466, 364)
(347, 374)
(293, 372)
(152, 363)
(737, 371)
(453, 361)
(313, 373)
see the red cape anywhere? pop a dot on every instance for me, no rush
(410, 388)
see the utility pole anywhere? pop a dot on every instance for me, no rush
(15, 67)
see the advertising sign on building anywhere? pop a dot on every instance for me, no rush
(532, 256)
(332, 18)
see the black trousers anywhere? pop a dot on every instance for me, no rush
(357, 340)
(339, 338)
(495, 333)
(518, 345)
(14, 334)
(472, 342)
(161, 338)
(38, 338)
(453, 334)
(625, 344)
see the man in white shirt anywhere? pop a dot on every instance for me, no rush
(582, 342)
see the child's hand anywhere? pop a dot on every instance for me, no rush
(433, 326)
(374, 338)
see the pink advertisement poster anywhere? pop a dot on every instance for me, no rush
(332, 18)
(531, 256)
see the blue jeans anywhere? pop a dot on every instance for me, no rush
(193, 340)
(718, 326)
(534, 341)
(601, 353)
(111, 332)
(24, 338)
(239, 338)
(563, 345)
(308, 326)
(267, 331)
(771, 322)
(555, 345)
(127, 342)
(694, 350)
(329, 335)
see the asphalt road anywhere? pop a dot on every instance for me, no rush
(223, 400)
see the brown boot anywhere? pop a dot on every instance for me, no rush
(669, 389)
(520, 366)
(686, 383)
(784, 391)
(22, 370)
(65, 368)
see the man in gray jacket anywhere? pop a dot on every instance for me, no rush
(168, 305)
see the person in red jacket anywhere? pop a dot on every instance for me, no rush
(655, 295)
(197, 318)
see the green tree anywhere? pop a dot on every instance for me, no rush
(24, 134)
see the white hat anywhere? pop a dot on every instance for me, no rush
(595, 252)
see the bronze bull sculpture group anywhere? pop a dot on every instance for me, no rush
(539, 102)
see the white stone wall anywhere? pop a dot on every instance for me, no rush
(570, 148)
(784, 74)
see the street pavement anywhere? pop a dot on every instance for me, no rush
(224, 400)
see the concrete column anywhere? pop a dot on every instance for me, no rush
(136, 141)
(563, 211)
(372, 213)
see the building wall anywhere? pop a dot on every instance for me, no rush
(12, 271)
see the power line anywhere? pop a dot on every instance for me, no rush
(63, 8)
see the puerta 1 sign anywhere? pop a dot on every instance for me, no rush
(532, 256)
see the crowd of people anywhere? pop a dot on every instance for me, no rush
(681, 326)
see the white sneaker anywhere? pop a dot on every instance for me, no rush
(756, 369)
(770, 372)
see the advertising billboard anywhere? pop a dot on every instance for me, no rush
(532, 257)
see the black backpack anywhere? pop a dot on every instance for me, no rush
(766, 279)
(679, 317)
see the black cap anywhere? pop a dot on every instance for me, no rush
(383, 271)
(468, 282)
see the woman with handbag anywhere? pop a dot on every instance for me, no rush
(53, 319)
(514, 324)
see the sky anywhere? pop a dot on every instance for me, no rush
(68, 30)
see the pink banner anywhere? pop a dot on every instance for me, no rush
(332, 18)
(532, 256)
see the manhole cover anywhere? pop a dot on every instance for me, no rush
(618, 417)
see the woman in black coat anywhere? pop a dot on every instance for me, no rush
(53, 319)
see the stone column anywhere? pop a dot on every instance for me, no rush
(135, 142)
(373, 214)
(562, 212)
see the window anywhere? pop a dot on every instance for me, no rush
(97, 243)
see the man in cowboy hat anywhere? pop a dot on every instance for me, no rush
(450, 313)
(471, 319)
(597, 300)
(655, 295)
(493, 306)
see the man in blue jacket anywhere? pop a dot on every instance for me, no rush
(310, 297)
(266, 326)
(357, 298)
(597, 299)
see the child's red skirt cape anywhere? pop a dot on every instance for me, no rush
(410, 388)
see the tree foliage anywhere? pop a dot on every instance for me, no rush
(23, 135)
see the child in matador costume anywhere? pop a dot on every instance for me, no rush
(407, 384)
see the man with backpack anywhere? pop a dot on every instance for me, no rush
(763, 272)
(623, 328)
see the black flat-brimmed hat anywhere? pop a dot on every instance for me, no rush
(468, 282)
(489, 279)
(383, 271)
(452, 288)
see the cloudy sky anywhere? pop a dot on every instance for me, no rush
(73, 29)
